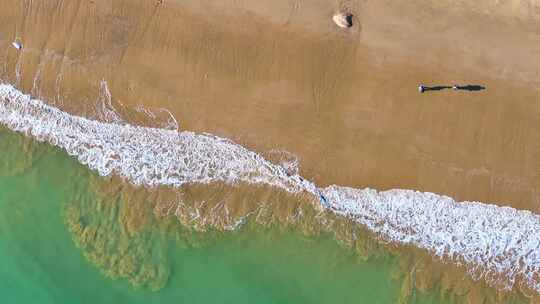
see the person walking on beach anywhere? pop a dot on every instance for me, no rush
(469, 87)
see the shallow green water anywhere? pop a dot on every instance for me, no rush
(41, 264)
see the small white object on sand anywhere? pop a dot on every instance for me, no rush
(17, 45)
(343, 20)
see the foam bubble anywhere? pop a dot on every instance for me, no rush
(498, 244)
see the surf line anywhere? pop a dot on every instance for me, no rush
(498, 244)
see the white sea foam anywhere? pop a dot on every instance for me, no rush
(285, 159)
(105, 109)
(498, 244)
(170, 123)
(143, 156)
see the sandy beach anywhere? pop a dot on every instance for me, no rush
(280, 75)
(279, 79)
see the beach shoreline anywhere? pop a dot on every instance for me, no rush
(289, 99)
(495, 244)
(280, 76)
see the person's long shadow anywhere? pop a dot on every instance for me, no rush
(469, 87)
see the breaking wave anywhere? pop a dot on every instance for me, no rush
(498, 244)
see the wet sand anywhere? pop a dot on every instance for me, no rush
(281, 75)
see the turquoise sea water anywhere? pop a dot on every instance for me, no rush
(42, 264)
